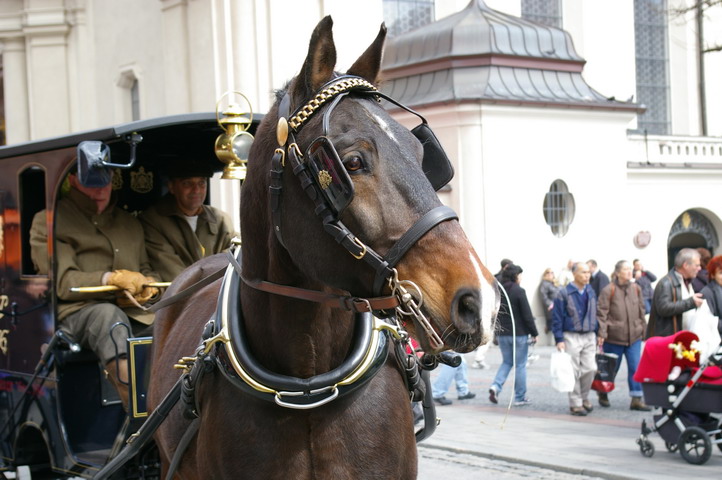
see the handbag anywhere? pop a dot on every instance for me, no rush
(606, 372)
(562, 372)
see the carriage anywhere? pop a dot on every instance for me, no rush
(296, 349)
(58, 411)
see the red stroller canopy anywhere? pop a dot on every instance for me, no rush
(662, 354)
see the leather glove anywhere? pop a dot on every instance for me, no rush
(147, 293)
(125, 279)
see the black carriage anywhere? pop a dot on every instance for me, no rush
(59, 415)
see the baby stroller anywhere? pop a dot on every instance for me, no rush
(687, 391)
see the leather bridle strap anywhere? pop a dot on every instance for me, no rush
(432, 218)
(344, 302)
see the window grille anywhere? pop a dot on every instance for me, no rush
(405, 15)
(652, 60)
(559, 208)
(544, 12)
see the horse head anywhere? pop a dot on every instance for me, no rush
(349, 190)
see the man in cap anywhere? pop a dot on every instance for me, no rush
(179, 228)
(97, 243)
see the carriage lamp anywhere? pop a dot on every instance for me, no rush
(233, 145)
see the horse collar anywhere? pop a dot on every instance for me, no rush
(241, 368)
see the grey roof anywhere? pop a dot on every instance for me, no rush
(482, 54)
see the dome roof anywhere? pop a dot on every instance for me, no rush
(482, 54)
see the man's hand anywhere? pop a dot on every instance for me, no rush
(698, 299)
(561, 346)
(125, 279)
(148, 292)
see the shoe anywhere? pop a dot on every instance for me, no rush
(578, 411)
(603, 400)
(587, 405)
(479, 365)
(467, 396)
(522, 403)
(492, 395)
(639, 405)
(443, 401)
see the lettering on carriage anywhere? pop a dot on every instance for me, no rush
(4, 341)
(4, 302)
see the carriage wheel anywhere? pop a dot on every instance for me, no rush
(671, 446)
(695, 446)
(718, 437)
(646, 447)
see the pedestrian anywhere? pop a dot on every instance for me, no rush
(448, 374)
(515, 330)
(674, 299)
(598, 279)
(574, 325)
(644, 278)
(620, 312)
(565, 275)
(548, 289)
(480, 356)
(702, 278)
(505, 262)
(712, 292)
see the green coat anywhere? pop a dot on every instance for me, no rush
(87, 245)
(173, 246)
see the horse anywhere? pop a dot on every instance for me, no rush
(346, 250)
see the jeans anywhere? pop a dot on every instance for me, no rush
(506, 345)
(448, 374)
(632, 354)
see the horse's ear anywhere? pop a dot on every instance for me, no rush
(321, 59)
(369, 63)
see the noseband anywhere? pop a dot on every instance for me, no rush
(409, 297)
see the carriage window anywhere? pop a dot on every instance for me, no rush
(559, 208)
(32, 200)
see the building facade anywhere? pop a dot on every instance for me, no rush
(578, 129)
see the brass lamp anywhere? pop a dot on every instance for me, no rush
(234, 144)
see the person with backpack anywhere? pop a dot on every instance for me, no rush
(620, 312)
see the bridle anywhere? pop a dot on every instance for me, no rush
(326, 183)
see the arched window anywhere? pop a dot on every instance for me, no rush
(559, 208)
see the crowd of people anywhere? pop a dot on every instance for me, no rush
(587, 313)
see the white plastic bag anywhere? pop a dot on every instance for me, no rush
(562, 372)
(704, 325)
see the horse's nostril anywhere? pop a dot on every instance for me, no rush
(471, 304)
(466, 313)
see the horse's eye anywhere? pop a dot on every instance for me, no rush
(353, 163)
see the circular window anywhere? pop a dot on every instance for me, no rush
(559, 208)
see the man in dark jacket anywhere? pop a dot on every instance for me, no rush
(598, 279)
(574, 325)
(674, 298)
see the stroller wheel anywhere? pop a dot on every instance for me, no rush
(695, 446)
(718, 437)
(646, 447)
(671, 447)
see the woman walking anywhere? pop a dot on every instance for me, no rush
(513, 342)
(620, 312)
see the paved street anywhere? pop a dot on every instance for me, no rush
(477, 439)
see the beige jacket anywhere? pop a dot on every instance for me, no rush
(173, 246)
(87, 245)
